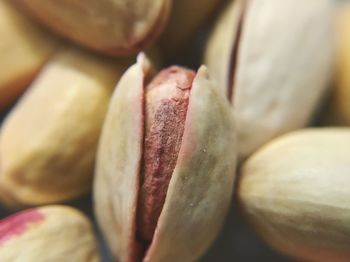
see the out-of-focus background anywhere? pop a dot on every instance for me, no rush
(236, 241)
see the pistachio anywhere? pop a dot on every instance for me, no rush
(165, 165)
(186, 17)
(294, 192)
(49, 141)
(51, 233)
(273, 60)
(117, 27)
(337, 111)
(23, 50)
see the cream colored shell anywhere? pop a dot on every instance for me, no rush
(63, 234)
(48, 142)
(117, 27)
(23, 50)
(201, 186)
(295, 193)
(283, 64)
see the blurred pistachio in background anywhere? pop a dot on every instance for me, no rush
(49, 140)
(122, 27)
(273, 60)
(24, 48)
(337, 111)
(294, 193)
(185, 18)
(49, 233)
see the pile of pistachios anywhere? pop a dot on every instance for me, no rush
(170, 113)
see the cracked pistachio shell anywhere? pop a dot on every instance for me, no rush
(50, 233)
(49, 140)
(117, 27)
(273, 59)
(201, 185)
(23, 50)
(338, 110)
(295, 193)
(186, 17)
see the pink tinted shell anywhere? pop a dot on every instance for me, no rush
(17, 224)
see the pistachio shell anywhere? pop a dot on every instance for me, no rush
(267, 56)
(201, 185)
(338, 109)
(51, 233)
(24, 48)
(294, 192)
(222, 41)
(48, 142)
(202, 180)
(186, 17)
(116, 27)
(118, 161)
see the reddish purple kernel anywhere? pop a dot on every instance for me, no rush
(167, 98)
(17, 224)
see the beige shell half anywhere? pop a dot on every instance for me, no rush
(118, 27)
(201, 186)
(282, 67)
(24, 48)
(60, 234)
(48, 142)
(295, 193)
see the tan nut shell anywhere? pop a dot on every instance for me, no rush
(186, 17)
(295, 193)
(283, 65)
(49, 140)
(338, 110)
(63, 234)
(200, 188)
(116, 27)
(23, 50)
